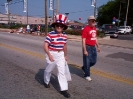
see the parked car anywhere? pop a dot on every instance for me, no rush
(124, 29)
(110, 30)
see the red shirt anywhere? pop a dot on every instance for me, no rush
(90, 34)
(38, 27)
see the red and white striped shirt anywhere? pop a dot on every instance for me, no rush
(56, 41)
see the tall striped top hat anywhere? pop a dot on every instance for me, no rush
(60, 19)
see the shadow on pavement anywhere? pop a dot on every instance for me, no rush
(39, 76)
(53, 80)
(75, 70)
(121, 55)
(125, 37)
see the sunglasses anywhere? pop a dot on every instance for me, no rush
(58, 25)
(93, 21)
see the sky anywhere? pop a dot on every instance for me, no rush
(76, 8)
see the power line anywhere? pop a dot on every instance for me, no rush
(37, 6)
(69, 12)
(19, 1)
(14, 2)
(80, 11)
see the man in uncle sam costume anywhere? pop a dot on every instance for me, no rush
(56, 53)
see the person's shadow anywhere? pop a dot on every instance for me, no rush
(39, 77)
(75, 70)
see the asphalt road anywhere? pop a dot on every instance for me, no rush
(22, 64)
(125, 37)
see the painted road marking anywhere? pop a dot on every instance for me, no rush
(94, 71)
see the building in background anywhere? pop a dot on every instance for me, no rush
(4, 18)
(23, 19)
(36, 20)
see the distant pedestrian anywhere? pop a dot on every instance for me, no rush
(89, 43)
(56, 53)
(20, 30)
(38, 29)
(24, 30)
(12, 31)
(32, 28)
(28, 28)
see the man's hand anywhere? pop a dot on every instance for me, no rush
(85, 53)
(98, 49)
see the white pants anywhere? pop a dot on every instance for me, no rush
(59, 62)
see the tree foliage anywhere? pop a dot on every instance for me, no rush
(111, 9)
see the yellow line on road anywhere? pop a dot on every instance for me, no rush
(113, 76)
(23, 51)
(94, 71)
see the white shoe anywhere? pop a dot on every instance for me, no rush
(88, 78)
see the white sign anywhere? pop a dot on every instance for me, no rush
(50, 4)
(6, 8)
(25, 5)
(93, 2)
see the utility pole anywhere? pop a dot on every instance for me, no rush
(8, 13)
(95, 9)
(27, 12)
(53, 11)
(121, 1)
(46, 14)
(57, 7)
(126, 13)
(119, 14)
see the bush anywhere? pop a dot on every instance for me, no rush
(78, 32)
(100, 34)
(73, 32)
(43, 29)
(12, 26)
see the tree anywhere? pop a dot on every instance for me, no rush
(111, 9)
